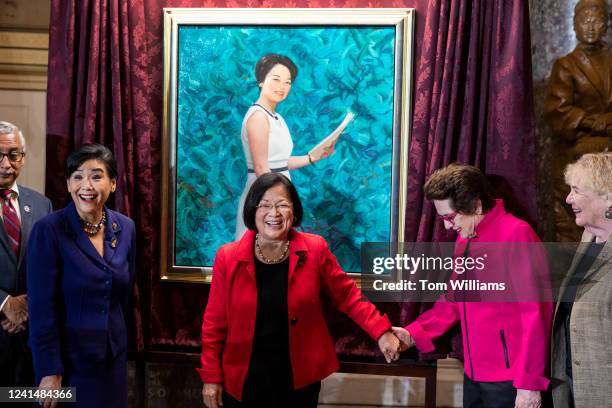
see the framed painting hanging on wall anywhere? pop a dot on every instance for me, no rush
(348, 60)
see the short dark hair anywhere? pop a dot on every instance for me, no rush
(269, 61)
(91, 151)
(462, 184)
(262, 184)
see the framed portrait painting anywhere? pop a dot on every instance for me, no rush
(348, 60)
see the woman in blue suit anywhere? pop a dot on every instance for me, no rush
(81, 263)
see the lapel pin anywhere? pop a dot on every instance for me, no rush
(115, 226)
(113, 243)
(27, 208)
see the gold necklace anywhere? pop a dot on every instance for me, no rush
(92, 229)
(266, 259)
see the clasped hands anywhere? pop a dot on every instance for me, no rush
(15, 314)
(394, 342)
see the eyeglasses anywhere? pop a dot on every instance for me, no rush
(13, 157)
(450, 218)
(282, 207)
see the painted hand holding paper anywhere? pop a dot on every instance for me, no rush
(326, 146)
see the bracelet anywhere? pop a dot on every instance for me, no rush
(310, 159)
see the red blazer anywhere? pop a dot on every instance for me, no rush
(229, 320)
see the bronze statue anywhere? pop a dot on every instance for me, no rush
(578, 106)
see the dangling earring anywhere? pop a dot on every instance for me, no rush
(472, 234)
(608, 213)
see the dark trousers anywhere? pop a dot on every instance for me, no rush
(306, 397)
(15, 364)
(478, 394)
(15, 360)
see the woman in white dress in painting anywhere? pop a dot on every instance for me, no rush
(266, 139)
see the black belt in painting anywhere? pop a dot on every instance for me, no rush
(278, 170)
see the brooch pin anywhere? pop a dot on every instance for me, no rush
(301, 259)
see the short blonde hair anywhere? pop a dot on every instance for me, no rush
(592, 171)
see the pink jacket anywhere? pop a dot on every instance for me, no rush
(503, 340)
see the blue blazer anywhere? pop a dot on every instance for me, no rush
(78, 300)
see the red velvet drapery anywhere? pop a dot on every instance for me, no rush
(472, 103)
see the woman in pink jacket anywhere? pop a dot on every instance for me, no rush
(505, 343)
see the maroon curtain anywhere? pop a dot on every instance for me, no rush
(473, 102)
(105, 85)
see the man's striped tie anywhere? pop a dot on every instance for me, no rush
(11, 220)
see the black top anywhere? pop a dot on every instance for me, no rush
(567, 301)
(270, 366)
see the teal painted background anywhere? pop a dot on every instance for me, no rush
(347, 196)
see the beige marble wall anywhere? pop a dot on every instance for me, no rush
(23, 79)
(25, 14)
(27, 110)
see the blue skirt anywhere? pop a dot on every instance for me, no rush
(98, 383)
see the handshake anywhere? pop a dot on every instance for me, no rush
(394, 342)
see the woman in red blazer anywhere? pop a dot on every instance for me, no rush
(264, 337)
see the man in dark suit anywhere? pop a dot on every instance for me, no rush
(20, 208)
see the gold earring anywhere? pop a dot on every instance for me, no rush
(472, 233)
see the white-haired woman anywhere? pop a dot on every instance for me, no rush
(581, 358)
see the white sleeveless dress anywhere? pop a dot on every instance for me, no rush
(280, 146)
